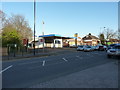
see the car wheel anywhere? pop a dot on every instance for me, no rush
(109, 56)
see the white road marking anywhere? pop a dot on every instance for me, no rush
(91, 56)
(88, 54)
(43, 63)
(95, 53)
(46, 65)
(81, 57)
(6, 69)
(29, 62)
(78, 56)
(98, 53)
(64, 59)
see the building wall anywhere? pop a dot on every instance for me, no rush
(92, 42)
(72, 42)
(57, 43)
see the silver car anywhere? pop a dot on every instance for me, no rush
(88, 48)
(80, 48)
(115, 51)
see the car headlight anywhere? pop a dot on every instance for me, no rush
(108, 51)
(117, 52)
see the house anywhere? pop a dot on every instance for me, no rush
(90, 40)
(113, 41)
(73, 41)
(49, 41)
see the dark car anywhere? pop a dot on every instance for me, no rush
(110, 46)
(100, 48)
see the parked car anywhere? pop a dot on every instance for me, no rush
(114, 51)
(88, 48)
(80, 48)
(105, 47)
(72, 46)
(100, 48)
(110, 46)
(93, 48)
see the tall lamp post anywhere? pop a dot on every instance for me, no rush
(106, 37)
(34, 23)
(43, 36)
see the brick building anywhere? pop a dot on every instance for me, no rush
(90, 40)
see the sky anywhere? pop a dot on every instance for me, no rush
(67, 18)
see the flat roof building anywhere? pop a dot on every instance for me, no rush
(49, 41)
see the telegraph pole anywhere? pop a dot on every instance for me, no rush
(43, 37)
(34, 23)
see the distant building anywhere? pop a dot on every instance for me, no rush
(49, 41)
(90, 40)
(113, 41)
(72, 41)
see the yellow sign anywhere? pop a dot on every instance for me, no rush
(76, 35)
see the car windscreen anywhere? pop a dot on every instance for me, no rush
(88, 47)
(112, 45)
(116, 47)
(80, 46)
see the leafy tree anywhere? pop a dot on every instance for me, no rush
(14, 29)
(10, 36)
(102, 38)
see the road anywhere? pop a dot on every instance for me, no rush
(31, 71)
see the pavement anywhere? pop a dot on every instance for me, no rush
(102, 76)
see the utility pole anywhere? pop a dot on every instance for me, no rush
(34, 23)
(43, 36)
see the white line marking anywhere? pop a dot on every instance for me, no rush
(88, 54)
(28, 63)
(91, 56)
(6, 69)
(43, 63)
(96, 53)
(64, 59)
(81, 57)
(78, 56)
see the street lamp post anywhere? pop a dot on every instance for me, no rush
(34, 23)
(106, 37)
(43, 36)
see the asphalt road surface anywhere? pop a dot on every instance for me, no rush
(31, 71)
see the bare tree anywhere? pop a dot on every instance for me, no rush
(2, 19)
(118, 34)
(109, 34)
(21, 25)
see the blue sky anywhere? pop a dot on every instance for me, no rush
(67, 18)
